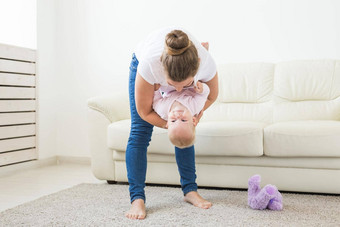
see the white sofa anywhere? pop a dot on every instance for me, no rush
(277, 120)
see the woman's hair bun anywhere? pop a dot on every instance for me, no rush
(180, 57)
(177, 42)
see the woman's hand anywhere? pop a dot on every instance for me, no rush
(197, 118)
(156, 86)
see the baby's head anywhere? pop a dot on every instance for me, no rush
(181, 126)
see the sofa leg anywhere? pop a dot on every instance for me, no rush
(111, 182)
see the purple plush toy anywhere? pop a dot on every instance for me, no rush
(267, 197)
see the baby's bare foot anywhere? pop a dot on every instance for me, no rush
(137, 210)
(205, 45)
(195, 199)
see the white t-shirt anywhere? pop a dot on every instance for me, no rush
(149, 51)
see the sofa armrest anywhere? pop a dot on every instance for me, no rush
(114, 107)
(102, 111)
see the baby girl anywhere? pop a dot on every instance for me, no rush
(180, 109)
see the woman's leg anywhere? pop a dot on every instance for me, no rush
(186, 166)
(140, 136)
(185, 159)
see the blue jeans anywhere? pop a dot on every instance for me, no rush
(140, 137)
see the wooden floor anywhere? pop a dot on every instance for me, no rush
(25, 186)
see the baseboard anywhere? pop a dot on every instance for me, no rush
(56, 160)
(74, 160)
(11, 169)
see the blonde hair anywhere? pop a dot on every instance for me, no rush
(180, 56)
(181, 141)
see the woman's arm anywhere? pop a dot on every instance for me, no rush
(144, 93)
(213, 85)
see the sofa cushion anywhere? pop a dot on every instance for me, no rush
(307, 80)
(229, 138)
(245, 82)
(302, 139)
(307, 90)
(212, 138)
(245, 93)
(240, 112)
(118, 135)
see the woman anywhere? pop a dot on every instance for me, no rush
(170, 58)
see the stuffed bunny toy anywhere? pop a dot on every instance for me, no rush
(267, 197)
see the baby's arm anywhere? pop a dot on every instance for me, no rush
(160, 104)
(198, 100)
(199, 87)
(157, 97)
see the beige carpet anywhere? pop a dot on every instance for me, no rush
(105, 205)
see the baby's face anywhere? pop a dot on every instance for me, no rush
(180, 117)
(180, 123)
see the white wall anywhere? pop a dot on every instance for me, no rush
(48, 82)
(18, 23)
(94, 41)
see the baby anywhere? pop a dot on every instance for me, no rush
(180, 109)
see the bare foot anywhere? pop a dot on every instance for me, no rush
(137, 210)
(205, 45)
(195, 199)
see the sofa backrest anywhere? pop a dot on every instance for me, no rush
(287, 91)
(245, 93)
(307, 90)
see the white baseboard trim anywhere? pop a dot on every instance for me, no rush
(10, 169)
(56, 160)
(74, 160)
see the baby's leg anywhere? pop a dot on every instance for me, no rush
(205, 45)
